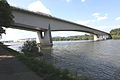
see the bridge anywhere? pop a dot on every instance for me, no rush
(43, 24)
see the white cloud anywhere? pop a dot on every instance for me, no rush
(106, 28)
(99, 17)
(38, 6)
(102, 28)
(95, 14)
(71, 0)
(117, 19)
(68, 0)
(85, 22)
(12, 3)
(83, 0)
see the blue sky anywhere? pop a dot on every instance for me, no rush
(100, 14)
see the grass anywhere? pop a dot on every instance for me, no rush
(43, 69)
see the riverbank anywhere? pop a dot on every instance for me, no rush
(44, 70)
(13, 69)
(71, 38)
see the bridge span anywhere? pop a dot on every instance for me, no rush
(43, 24)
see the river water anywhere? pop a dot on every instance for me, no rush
(98, 60)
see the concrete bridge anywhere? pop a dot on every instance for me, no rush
(43, 24)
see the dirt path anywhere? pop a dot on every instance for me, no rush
(12, 69)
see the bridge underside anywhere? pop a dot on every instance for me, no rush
(42, 23)
(45, 38)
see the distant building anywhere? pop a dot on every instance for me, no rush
(26, 39)
(7, 41)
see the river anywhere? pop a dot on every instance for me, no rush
(98, 60)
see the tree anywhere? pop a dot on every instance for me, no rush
(6, 17)
(1, 31)
(30, 49)
(115, 33)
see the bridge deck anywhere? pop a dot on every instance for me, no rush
(25, 19)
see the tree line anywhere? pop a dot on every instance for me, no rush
(82, 37)
(115, 33)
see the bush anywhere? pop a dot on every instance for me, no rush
(30, 48)
(116, 36)
(1, 43)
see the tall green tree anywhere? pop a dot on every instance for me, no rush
(6, 17)
(115, 33)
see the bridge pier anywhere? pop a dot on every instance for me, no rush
(44, 37)
(101, 37)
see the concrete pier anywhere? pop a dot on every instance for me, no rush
(45, 38)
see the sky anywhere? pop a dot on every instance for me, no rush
(99, 14)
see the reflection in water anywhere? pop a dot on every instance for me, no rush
(47, 52)
(96, 60)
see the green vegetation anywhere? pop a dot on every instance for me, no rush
(115, 33)
(43, 69)
(30, 49)
(6, 17)
(83, 37)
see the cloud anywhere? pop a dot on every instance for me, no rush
(95, 14)
(71, 0)
(85, 22)
(38, 6)
(117, 19)
(12, 3)
(68, 0)
(102, 28)
(83, 0)
(99, 17)
(106, 28)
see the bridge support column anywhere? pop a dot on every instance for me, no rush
(44, 37)
(101, 37)
(95, 38)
